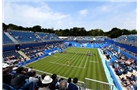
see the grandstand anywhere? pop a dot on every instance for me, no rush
(98, 62)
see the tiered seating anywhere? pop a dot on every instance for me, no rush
(24, 36)
(129, 40)
(11, 56)
(132, 38)
(100, 38)
(32, 52)
(121, 38)
(88, 38)
(54, 37)
(6, 39)
(126, 68)
(44, 36)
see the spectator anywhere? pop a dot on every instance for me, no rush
(133, 77)
(46, 82)
(34, 79)
(58, 83)
(6, 76)
(13, 70)
(29, 71)
(73, 86)
(63, 85)
(130, 69)
(18, 80)
(69, 81)
(53, 83)
(40, 80)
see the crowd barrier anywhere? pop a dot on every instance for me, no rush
(113, 76)
(107, 71)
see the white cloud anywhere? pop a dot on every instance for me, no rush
(122, 21)
(104, 16)
(28, 15)
(83, 12)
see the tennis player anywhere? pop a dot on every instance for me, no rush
(68, 62)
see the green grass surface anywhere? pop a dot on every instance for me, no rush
(82, 66)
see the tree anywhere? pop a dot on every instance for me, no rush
(12, 26)
(134, 31)
(82, 31)
(4, 26)
(20, 28)
(37, 28)
(125, 32)
(114, 33)
(96, 32)
(75, 31)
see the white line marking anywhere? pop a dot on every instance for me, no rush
(66, 65)
(60, 58)
(94, 61)
(55, 62)
(63, 57)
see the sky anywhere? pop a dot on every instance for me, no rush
(62, 14)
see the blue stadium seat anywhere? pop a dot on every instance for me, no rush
(8, 87)
(6, 39)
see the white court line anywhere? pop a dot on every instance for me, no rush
(63, 57)
(59, 58)
(79, 52)
(66, 65)
(94, 61)
(74, 55)
(71, 60)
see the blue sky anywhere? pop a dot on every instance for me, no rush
(61, 14)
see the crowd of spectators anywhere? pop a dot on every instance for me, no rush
(21, 78)
(125, 68)
(14, 58)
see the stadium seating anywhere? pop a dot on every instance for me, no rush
(6, 39)
(44, 36)
(54, 37)
(124, 66)
(11, 55)
(24, 36)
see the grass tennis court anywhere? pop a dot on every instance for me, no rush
(81, 65)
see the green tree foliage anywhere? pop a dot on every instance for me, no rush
(75, 31)
(133, 31)
(37, 28)
(115, 32)
(97, 32)
(4, 26)
(12, 26)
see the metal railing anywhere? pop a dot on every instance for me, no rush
(92, 84)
